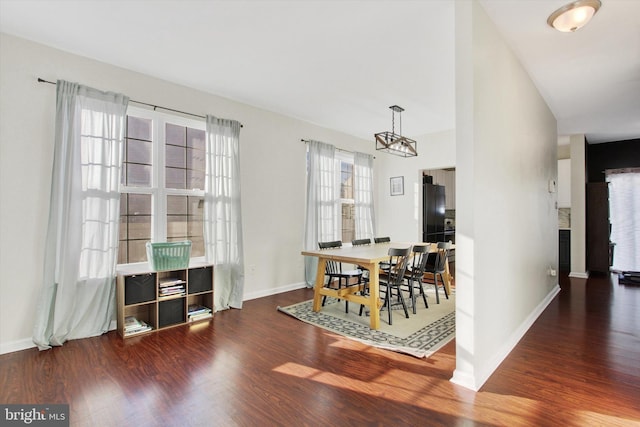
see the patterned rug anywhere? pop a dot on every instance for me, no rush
(421, 335)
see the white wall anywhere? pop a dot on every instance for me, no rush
(272, 162)
(578, 208)
(400, 217)
(506, 220)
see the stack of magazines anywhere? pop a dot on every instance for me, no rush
(198, 312)
(170, 287)
(134, 326)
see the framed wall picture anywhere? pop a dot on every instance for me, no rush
(397, 185)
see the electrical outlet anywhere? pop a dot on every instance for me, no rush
(552, 272)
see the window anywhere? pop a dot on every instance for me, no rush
(162, 183)
(346, 195)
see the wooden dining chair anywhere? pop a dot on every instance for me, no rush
(362, 242)
(333, 270)
(437, 265)
(394, 278)
(415, 273)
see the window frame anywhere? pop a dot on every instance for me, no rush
(157, 191)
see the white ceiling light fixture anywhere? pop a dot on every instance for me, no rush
(394, 143)
(573, 16)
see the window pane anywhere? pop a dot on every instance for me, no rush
(177, 205)
(139, 128)
(176, 178)
(348, 222)
(138, 151)
(139, 204)
(136, 170)
(123, 230)
(196, 138)
(195, 179)
(196, 207)
(137, 251)
(138, 175)
(135, 227)
(139, 227)
(197, 246)
(346, 181)
(122, 252)
(123, 204)
(195, 159)
(175, 135)
(177, 226)
(176, 157)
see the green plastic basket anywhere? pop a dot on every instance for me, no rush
(169, 256)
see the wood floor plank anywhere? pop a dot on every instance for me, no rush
(576, 366)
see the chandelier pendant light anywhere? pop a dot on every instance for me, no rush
(395, 143)
(573, 16)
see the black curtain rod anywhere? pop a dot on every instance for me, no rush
(145, 103)
(339, 149)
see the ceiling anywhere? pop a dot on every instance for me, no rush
(341, 64)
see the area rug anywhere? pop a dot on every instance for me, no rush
(421, 335)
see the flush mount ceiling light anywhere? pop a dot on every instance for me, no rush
(394, 143)
(574, 15)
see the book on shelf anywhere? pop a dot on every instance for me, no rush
(171, 282)
(172, 290)
(134, 326)
(196, 317)
(195, 309)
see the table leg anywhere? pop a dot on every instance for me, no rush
(317, 298)
(374, 295)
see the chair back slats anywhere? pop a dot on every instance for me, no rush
(359, 242)
(398, 260)
(419, 264)
(441, 258)
(329, 245)
(332, 267)
(381, 239)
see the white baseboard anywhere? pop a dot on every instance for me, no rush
(475, 380)
(464, 379)
(25, 343)
(579, 275)
(18, 345)
(274, 291)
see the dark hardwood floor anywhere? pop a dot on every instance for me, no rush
(579, 365)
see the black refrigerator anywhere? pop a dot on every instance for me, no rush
(433, 206)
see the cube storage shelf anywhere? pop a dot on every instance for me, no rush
(149, 300)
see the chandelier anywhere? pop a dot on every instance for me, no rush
(394, 143)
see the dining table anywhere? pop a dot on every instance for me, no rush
(368, 257)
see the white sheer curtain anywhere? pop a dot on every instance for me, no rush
(78, 293)
(363, 195)
(222, 212)
(323, 221)
(624, 212)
